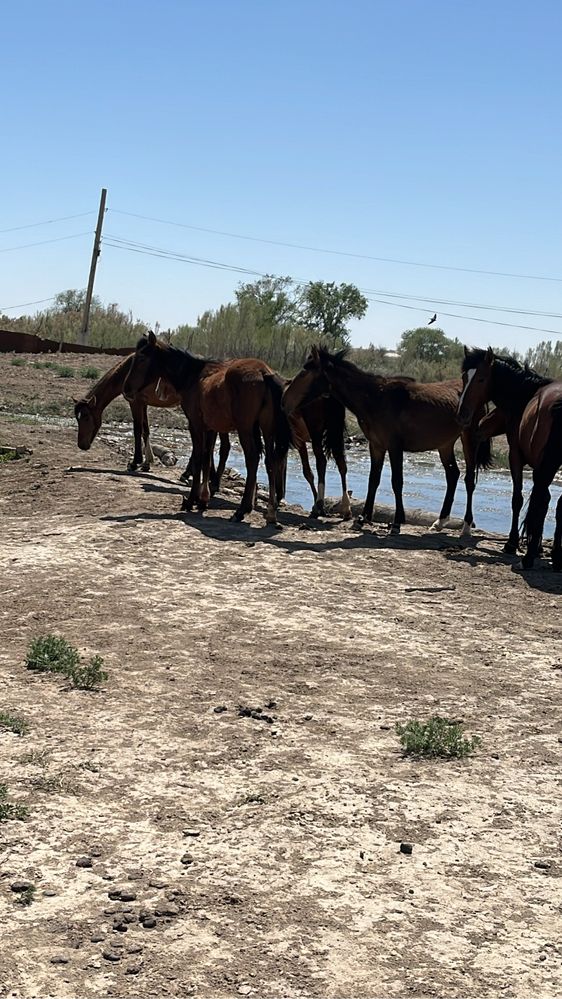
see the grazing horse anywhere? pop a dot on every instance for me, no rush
(88, 412)
(532, 408)
(396, 415)
(220, 397)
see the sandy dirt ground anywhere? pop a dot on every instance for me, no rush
(257, 852)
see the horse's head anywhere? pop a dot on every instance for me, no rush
(310, 382)
(144, 367)
(89, 421)
(477, 368)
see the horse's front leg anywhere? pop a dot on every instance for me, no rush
(534, 521)
(148, 452)
(452, 474)
(377, 462)
(196, 461)
(138, 409)
(276, 468)
(345, 505)
(396, 455)
(516, 468)
(224, 452)
(207, 461)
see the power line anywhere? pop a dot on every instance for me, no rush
(123, 244)
(340, 253)
(33, 225)
(43, 242)
(463, 305)
(22, 305)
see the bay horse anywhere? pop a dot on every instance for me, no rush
(532, 407)
(243, 395)
(89, 410)
(396, 414)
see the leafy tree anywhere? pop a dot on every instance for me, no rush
(326, 308)
(546, 357)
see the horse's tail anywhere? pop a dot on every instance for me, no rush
(484, 456)
(333, 438)
(282, 431)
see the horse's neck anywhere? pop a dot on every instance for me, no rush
(110, 386)
(512, 389)
(356, 389)
(179, 368)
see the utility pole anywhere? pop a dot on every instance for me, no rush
(84, 332)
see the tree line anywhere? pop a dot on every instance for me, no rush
(277, 319)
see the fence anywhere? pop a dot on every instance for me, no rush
(30, 343)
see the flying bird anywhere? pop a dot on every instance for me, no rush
(433, 319)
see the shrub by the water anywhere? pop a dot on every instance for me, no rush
(436, 737)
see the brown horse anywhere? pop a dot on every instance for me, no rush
(532, 407)
(89, 410)
(220, 397)
(396, 415)
(322, 424)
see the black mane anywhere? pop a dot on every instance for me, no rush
(507, 369)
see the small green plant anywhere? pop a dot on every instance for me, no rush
(436, 737)
(18, 362)
(9, 810)
(53, 654)
(89, 372)
(37, 757)
(26, 896)
(64, 371)
(13, 723)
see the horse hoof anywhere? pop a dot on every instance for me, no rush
(527, 562)
(132, 468)
(395, 529)
(510, 548)
(238, 516)
(145, 467)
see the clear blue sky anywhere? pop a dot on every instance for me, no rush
(420, 130)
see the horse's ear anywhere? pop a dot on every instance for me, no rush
(314, 352)
(465, 350)
(489, 355)
(151, 338)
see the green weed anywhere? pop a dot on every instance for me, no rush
(18, 362)
(436, 737)
(89, 372)
(13, 723)
(9, 810)
(53, 654)
(64, 371)
(26, 896)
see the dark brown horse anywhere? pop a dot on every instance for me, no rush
(89, 410)
(532, 408)
(396, 415)
(220, 397)
(322, 424)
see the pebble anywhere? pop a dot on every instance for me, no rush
(245, 990)
(110, 955)
(168, 909)
(158, 883)
(49, 892)
(187, 859)
(98, 938)
(60, 959)
(84, 862)
(21, 885)
(191, 832)
(406, 848)
(543, 865)
(220, 708)
(308, 717)
(135, 949)
(133, 969)
(149, 923)
(120, 927)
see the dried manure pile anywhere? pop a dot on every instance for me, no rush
(228, 808)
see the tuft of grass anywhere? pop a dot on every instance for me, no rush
(13, 723)
(9, 810)
(26, 896)
(18, 362)
(37, 757)
(89, 372)
(64, 371)
(53, 654)
(436, 737)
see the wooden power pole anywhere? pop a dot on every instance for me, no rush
(84, 332)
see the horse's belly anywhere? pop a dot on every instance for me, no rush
(216, 411)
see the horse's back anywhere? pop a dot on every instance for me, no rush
(537, 422)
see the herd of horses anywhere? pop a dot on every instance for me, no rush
(396, 414)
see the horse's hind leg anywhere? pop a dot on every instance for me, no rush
(248, 442)
(557, 543)
(208, 448)
(452, 474)
(224, 452)
(345, 506)
(188, 470)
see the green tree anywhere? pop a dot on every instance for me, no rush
(326, 308)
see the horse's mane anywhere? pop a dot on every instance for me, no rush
(524, 374)
(186, 354)
(341, 356)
